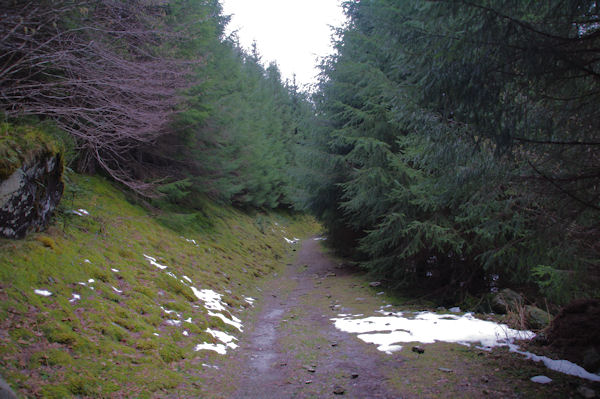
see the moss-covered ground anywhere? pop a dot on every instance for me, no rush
(104, 331)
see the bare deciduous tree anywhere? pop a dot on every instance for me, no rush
(95, 67)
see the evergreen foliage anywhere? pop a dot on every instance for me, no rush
(457, 143)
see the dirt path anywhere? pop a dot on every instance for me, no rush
(294, 351)
(291, 349)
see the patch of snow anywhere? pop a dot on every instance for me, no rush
(82, 283)
(80, 212)
(170, 312)
(75, 297)
(91, 281)
(219, 348)
(115, 270)
(156, 334)
(185, 333)
(153, 262)
(234, 322)
(189, 280)
(87, 261)
(562, 366)
(191, 241)
(188, 320)
(211, 299)
(116, 289)
(320, 238)
(42, 292)
(224, 338)
(173, 322)
(541, 379)
(249, 300)
(172, 275)
(455, 309)
(294, 241)
(427, 327)
(210, 366)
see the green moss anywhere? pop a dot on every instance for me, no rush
(105, 327)
(83, 385)
(55, 392)
(51, 357)
(61, 334)
(46, 241)
(21, 334)
(20, 144)
(146, 345)
(114, 332)
(169, 352)
(173, 285)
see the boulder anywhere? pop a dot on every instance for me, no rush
(506, 300)
(537, 318)
(30, 193)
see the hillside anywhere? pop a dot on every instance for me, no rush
(111, 302)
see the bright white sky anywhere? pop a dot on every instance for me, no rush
(293, 33)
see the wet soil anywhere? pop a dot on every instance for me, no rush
(291, 349)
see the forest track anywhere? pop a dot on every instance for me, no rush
(291, 349)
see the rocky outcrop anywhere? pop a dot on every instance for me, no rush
(29, 195)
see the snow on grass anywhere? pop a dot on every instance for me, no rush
(87, 261)
(234, 321)
(224, 338)
(42, 292)
(219, 348)
(153, 262)
(212, 300)
(170, 312)
(172, 322)
(115, 270)
(186, 278)
(80, 212)
(249, 300)
(190, 241)
(172, 275)
(562, 366)
(116, 289)
(294, 241)
(427, 327)
(75, 297)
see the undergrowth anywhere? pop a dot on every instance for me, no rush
(114, 339)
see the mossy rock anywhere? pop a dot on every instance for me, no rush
(31, 179)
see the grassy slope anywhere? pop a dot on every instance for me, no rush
(105, 344)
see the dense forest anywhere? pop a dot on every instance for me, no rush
(451, 146)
